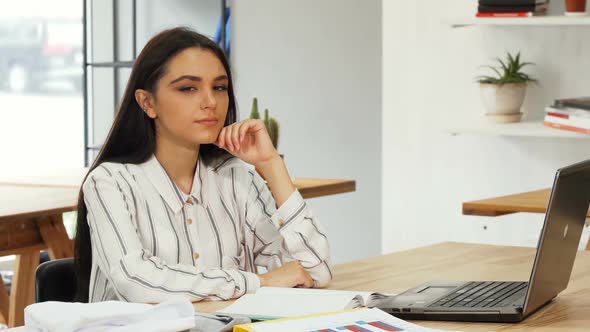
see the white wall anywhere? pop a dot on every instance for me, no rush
(428, 80)
(317, 66)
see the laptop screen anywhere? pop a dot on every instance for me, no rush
(560, 236)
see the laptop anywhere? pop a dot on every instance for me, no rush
(512, 301)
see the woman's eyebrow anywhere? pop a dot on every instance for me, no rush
(197, 78)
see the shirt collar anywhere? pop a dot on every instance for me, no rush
(199, 182)
(166, 187)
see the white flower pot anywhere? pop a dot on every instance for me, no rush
(502, 102)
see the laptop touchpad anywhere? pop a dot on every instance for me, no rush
(431, 292)
(421, 295)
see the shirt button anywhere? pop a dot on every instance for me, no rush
(189, 221)
(281, 223)
(196, 255)
(189, 200)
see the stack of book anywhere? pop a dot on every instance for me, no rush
(571, 114)
(511, 8)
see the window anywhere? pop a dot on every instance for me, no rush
(41, 103)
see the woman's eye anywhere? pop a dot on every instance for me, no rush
(187, 89)
(221, 88)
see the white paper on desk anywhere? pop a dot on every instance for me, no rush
(275, 302)
(334, 321)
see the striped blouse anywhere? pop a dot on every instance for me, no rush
(151, 242)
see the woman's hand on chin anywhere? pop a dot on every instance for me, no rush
(249, 141)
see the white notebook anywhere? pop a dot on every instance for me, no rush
(273, 302)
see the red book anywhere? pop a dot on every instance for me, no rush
(517, 14)
(568, 120)
(567, 127)
(580, 125)
(559, 115)
(567, 112)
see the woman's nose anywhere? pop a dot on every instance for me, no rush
(208, 100)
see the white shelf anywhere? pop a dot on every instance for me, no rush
(559, 20)
(519, 129)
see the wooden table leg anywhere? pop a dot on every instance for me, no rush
(23, 287)
(3, 303)
(55, 236)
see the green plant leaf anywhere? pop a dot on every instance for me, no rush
(508, 71)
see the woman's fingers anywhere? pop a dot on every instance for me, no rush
(305, 279)
(227, 136)
(235, 134)
(221, 138)
(309, 283)
(244, 130)
(291, 274)
(232, 136)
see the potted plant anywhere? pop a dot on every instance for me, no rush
(503, 94)
(271, 124)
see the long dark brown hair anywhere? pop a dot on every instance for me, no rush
(132, 138)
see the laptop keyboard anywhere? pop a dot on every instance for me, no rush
(483, 295)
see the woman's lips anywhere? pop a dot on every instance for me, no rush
(207, 122)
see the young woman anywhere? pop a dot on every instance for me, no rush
(170, 207)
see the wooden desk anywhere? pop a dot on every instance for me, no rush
(31, 211)
(459, 261)
(532, 201)
(30, 221)
(311, 187)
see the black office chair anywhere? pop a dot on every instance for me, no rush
(55, 281)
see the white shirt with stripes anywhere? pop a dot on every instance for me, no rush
(151, 242)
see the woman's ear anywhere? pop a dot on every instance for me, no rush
(145, 100)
